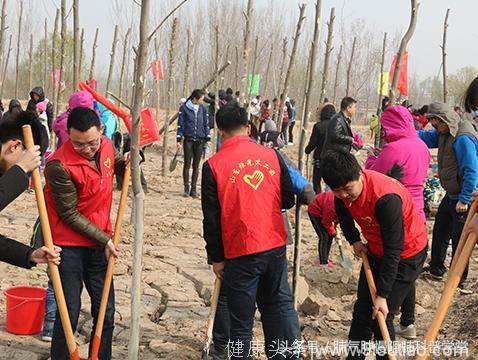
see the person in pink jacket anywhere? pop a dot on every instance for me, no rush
(405, 150)
(77, 99)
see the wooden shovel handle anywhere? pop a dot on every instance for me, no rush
(380, 317)
(111, 264)
(212, 312)
(48, 240)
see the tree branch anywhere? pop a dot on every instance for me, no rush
(164, 20)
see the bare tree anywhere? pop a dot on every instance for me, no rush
(123, 63)
(379, 107)
(112, 59)
(328, 51)
(253, 72)
(45, 58)
(336, 84)
(236, 72)
(76, 44)
(53, 62)
(82, 47)
(30, 62)
(186, 85)
(139, 76)
(282, 66)
(305, 119)
(245, 53)
(269, 62)
(2, 29)
(63, 51)
(93, 55)
(172, 51)
(403, 46)
(349, 68)
(19, 38)
(443, 52)
(6, 65)
(285, 91)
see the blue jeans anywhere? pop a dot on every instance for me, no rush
(222, 324)
(83, 265)
(50, 309)
(261, 278)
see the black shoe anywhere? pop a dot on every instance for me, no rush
(426, 272)
(194, 194)
(186, 191)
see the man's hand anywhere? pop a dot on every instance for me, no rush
(178, 146)
(461, 208)
(359, 248)
(30, 159)
(111, 249)
(218, 268)
(380, 304)
(44, 255)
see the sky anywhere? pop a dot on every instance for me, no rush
(380, 16)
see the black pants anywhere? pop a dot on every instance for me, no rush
(363, 327)
(316, 177)
(222, 324)
(285, 132)
(193, 150)
(448, 225)
(291, 131)
(325, 239)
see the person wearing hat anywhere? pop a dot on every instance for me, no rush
(457, 143)
(14, 107)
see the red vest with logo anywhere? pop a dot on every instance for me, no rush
(375, 186)
(249, 192)
(94, 189)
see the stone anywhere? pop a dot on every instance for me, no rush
(152, 292)
(313, 303)
(425, 301)
(302, 290)
(162, 347)
(333, 316)
(17, 354)
(419, 309)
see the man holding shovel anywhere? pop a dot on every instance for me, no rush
(15, 164)
(79, 192)
(396, 242)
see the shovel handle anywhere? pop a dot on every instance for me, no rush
(380, 317)
(111, 264)
(48, 240)
(212, 312)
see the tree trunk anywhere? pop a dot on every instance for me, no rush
(349, 68)
(158, 83)
(172, 51)
(123, 64)
(336, 84)
(245, 53)
(282, 66)
(6, 65)
(2, 33)
(139, 76)
(93, 55)
(328, 51)
(253, 74)
(443, 52)
(266, 80)
(63, 50)
(236, 71)
(80, 60)
(45, 59)
(30, 63)
(112, 59)
(19, 38)
(186, 86)
(53, 63)
(76, 45)
(291, 64)
(403, 47)
(379, 107)
(303, 131)
(216, 97)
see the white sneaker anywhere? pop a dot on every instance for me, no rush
(407, 332)
(46, 338)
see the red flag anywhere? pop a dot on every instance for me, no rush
(402, 85)
(157, 70)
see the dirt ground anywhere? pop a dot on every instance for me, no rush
(177, 282)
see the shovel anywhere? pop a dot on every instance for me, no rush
(174, 162)
(210, 320)
(344, 261)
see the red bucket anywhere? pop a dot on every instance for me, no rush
(25, 309)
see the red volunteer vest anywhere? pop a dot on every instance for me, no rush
(94, 188)
(249, 192)
(377, 185)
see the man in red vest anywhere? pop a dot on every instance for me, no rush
(79, 191)
(396, 241)
(244, 187)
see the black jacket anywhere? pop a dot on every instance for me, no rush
(339, 134)
(317, 139)
(32, 104)
(12, 184)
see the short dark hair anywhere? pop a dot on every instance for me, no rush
(470, 96)
(83, 119)
(197, 94)
(231, 117)
(339, 168)
(346, 102)
(12, 129)
(229, 91)
(238, 93)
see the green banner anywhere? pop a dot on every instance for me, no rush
(255, 85)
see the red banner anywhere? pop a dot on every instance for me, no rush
(402, 85)
(149, 129)
(157, 70)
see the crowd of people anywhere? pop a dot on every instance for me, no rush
(246, 187)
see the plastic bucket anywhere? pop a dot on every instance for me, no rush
(25, 309)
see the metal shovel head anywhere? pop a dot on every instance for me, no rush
(174, 162)
(344, 261)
